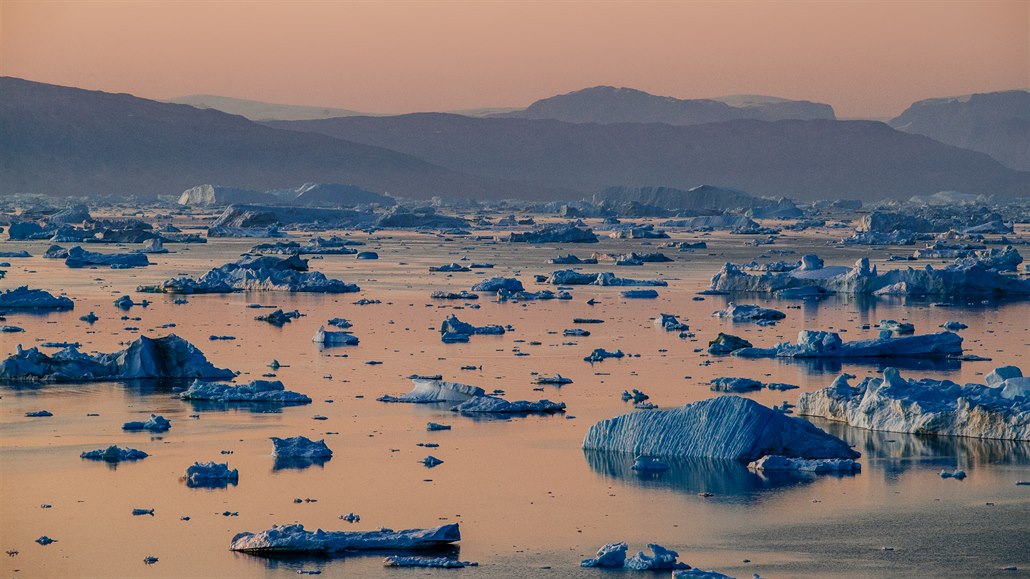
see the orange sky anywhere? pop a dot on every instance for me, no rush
(867, 59)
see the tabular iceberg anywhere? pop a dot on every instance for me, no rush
(256, 273)
(255, 391)
(294, 539)
(728, 427)
(24, 298)
(815, 344)
(896, 404)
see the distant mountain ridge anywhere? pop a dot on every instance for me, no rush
(608, 105)
(996, 123)
(813, 159)
(262, 111)
(69, 141)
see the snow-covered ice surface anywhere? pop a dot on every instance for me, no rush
(295, 539)
(264, 391)
(1000, 410)
(819, 344)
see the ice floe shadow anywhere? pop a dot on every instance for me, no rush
(298, 463)
(723, 478)
(835, 366)
(298, 562)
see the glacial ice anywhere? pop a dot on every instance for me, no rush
(727, 427)
(496, 405)
(640, 294)
(429, 391)
(211, 475)
(729, 384)
(926, 406)
(610, 556)
(749, 313)
(822, 465)
(816, 344)
(154, 424)
(699, 574)
(295, 539)
(966, 277)
(495, 284)
(428, 562)
(600, 355)
(670, 323)
(114, 454)
(300, 447)
(24, 298)
(327, 338)
(454, 327)
(264, 391)
(726, 344)
(572, 277)
(78, 257)
(663, 559)
(555, 233)
(256, 273)
(166, 357)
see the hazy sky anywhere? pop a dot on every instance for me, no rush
(867, 59)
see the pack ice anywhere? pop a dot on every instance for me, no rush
(294, 539)
(728, 427)
(999, 409)
(166, 357)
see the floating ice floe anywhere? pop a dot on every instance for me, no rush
(114, 454)
(166, 357)
(729, 384)
(154, 424)
(452, 329)
(295, 539)
(999, 409)
(211, 475)
(496, 284)
(572, 277)
(279, 318)
(728, 427)
(430, 461)
(462, 295)
(640, 294)
(492, 404)
(256, 273)
(78, 257)
(600, 355)
(819, 466)
(431, 562)
(449, 268)
(572, 260)
(327, 338)
(613, 556)
(524, 296)
(610, 556)
(300, 447)
(23, 298)
(699, 574)
(265, 391)
(556, 380)
(897, 328)
(435, 427)
(647, 464)
(966, 277)
(670, 323)
(816, 344)
(39, 414)
(727, 344)
(750, 313)
(430, 391)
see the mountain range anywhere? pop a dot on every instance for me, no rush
(70, 141)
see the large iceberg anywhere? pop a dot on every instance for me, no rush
(295, 539)
(300, 447)
(23, 298)
(114, 454)
(327, 338)
(999, 409)
(256, 391)
(571, 277)
(966, 277)
(728, 427)
(211, 475)
(816, 344)
(78, 257)
(749, 313)
(429, 391)
(257, 273)
(166, 357)
(496, 405)
(555, 233)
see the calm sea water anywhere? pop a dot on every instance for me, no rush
(530, 502)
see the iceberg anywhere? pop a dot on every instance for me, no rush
(663, 559)
(114, 454)
(818, 466)
(429, 391)
(727, 427)
(495, 284)
(454, 327)
(555, 233)
(211, 475)
(524, 296)
(571, 277)
(462, 295)
(78, 257)
(154, 424)
(571, 259)
(496, 405)
(816, 344)
(256, 391)
(670, 323)
(610, 556)
(279, 318)
(429, 562)
(600, 355)
(295, 539)
(729, 384)
(699, 574)
(726, 344)
(256, 273)
(166, 357)
(927, 406)
(449, 268)
(749, 313)
(300, 447)
(966, 277)
(640, 294)
(327, 338)
(23, 298)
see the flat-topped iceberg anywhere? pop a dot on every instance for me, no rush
(555, 233)
(295, 539)
(256, 391)
(211, 475)
(728, 427)
(327, 338)
(966, 277)
(78, 257)
(429, 391)
(257, 273)
(495, 284)
(428, 562)
(497, 405)
(749, 313)
(571, 277)
(816, 344)
(23, 298)
(999, 409)
(166, 357)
